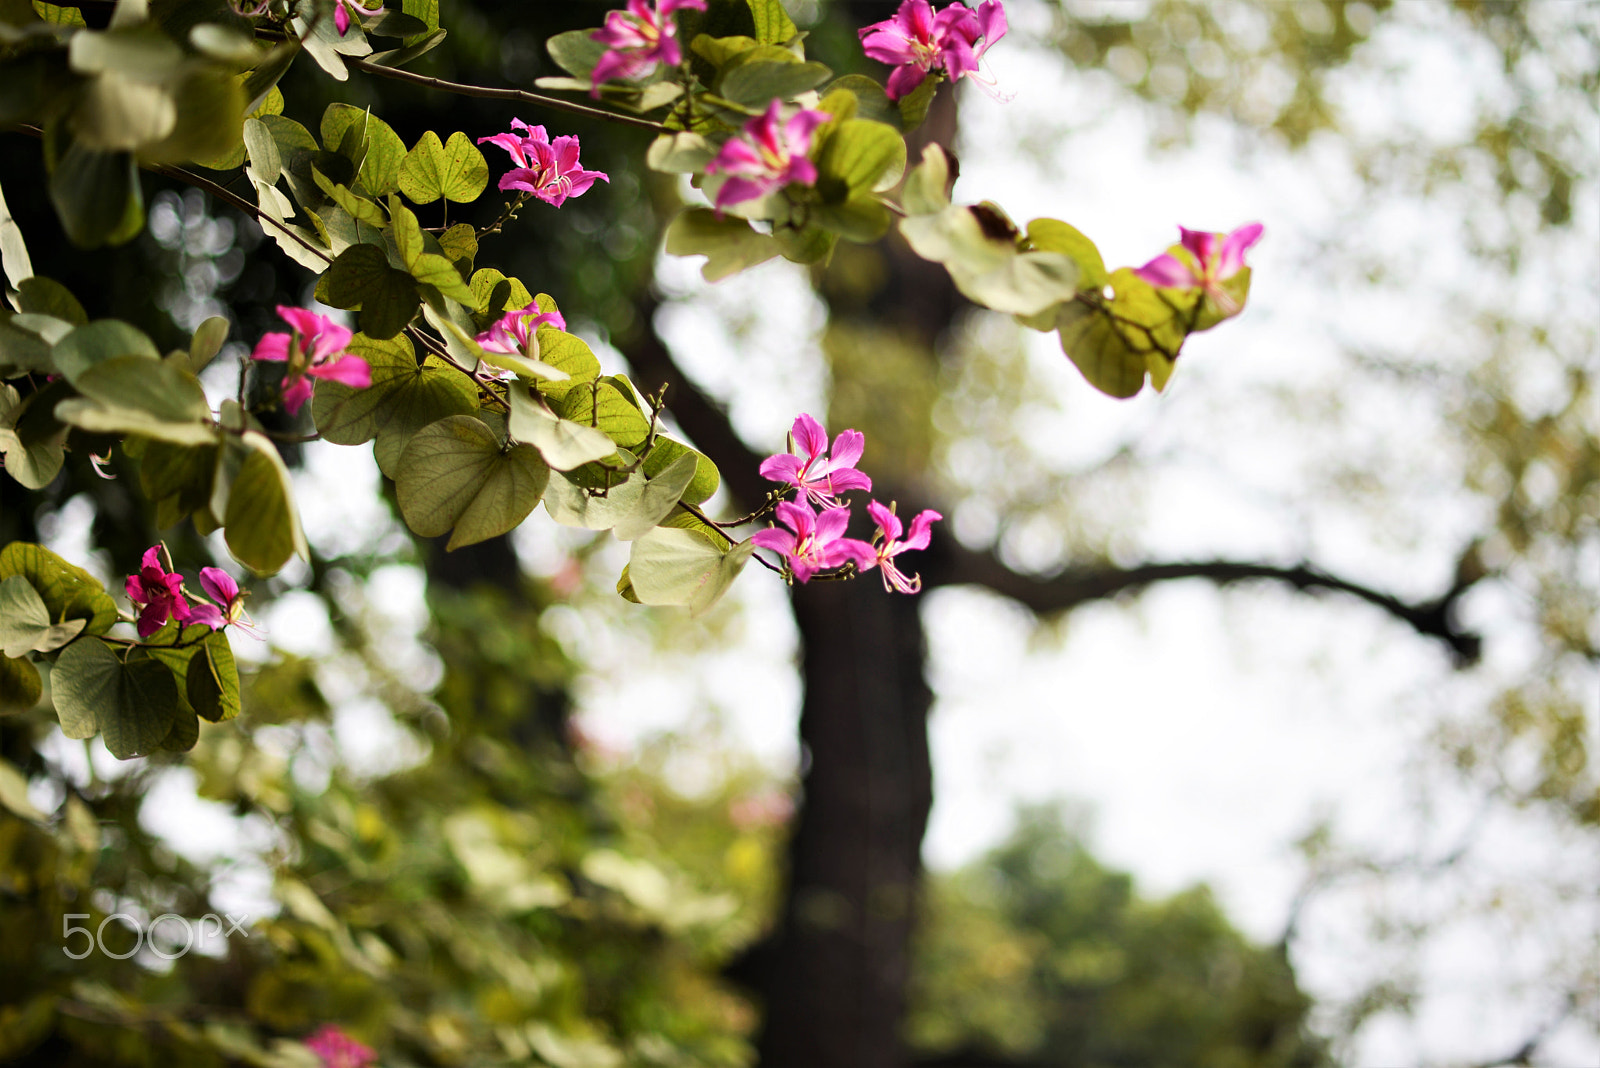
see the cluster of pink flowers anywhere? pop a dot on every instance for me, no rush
(638, 40)
(1217, 258)
(548, 169)
(159, 596)
(816, 541)
(316, 349)
(339, 1050)
(917, 42)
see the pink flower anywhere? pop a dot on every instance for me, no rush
(887, 545)
(638, 40)
(317, 350)
(158, 592)
(918, 42)
(229, 609)
(341, 17)
(821, 479)
(339, 1050)
(549, 170)
(516, 332)
(1219, 257)
(813, 543)
(767, 156)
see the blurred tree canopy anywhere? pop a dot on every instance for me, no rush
(495, 895)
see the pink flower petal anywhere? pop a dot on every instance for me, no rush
(349, 370)
(218, 584)
(1168, 272)
(296, 393)
(1231, 259)
(273, 347)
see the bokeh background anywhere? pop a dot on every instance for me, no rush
(483, 811)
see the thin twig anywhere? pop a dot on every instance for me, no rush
(490, 93)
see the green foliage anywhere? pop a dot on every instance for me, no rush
(1038, 953)
(455, 170)
(68, 591)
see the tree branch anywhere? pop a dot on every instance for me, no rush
(539, 99)
(1076, 586)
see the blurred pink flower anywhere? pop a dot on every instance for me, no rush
(549, 170)
(157, 592)
(767, 155)
(316, 350)
(917, 42)
(887, 545)
(638, 39)
(341, 17)
(339, 1050)
(1219, 256)
(821, 479)
(813, 542)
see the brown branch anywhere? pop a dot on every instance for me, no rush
(1077, 586)
(487, 92)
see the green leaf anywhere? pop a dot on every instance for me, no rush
(456, 474)
(399, 57)
(97, 342)
(114, 419)
(871, 102)
(680, 153)
(160, 389)
(387, 298)
(265, 77)
(97, 195)
(671, 566)
(914, 105)
(1053, 235)
(211, 109)
(861, 155)
(772, 22)
(706, 477)
(563, 443)
(576, 52)
(978, 246)
(403, 398)
(728, 243)
(43, 296)
(180, 476)
(14, 261)
(262, 524)
(373, 141)
(211, 682)
(206, 342)
(69, 592)
(1114, 343)
(119, 113)
(565, 352)
(459, 245)
(658, 497)
(31, 439)
(600, 404)
(493, 294)
(927, 188)
(25, 625)
(265, 159)
(132, 703)
(455, 170)
(20, 686)
(754, 83)
(184, 734)
(359, 208)
(433, 270)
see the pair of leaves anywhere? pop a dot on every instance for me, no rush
(631, 508)
(25, 624)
